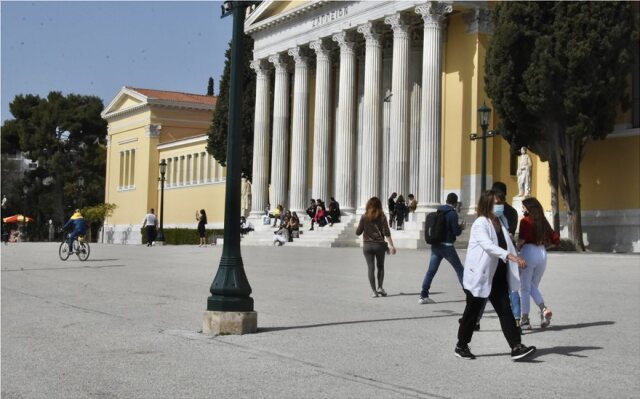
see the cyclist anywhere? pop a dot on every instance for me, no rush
(79, 228)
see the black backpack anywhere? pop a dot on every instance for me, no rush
(435, 227)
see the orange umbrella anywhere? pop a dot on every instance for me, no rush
(17, 219)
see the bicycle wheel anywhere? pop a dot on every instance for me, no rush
(83, 251)
(63, 251)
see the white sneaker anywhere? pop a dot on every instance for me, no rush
(545, 317)
(424, 301)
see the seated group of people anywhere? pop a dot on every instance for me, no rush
(288, 228)
(319, 213)
(399, 210)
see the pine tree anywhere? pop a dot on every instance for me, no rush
(217, 141)
(66, 137)
(210, 87)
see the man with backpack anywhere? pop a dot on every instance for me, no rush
(442, 228)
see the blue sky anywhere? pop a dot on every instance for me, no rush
(95, 48)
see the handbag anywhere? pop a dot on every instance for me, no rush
(386, 244)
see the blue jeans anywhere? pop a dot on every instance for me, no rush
(439, 252)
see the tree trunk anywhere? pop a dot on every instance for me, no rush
(572, 150)
(553, 184)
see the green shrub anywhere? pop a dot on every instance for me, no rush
(182, 236)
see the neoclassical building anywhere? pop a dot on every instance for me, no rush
(145, 127)
(356, 99)
(366, 98)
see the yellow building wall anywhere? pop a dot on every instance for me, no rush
(130, 132)
(462, 94)
(610, 174)
(181, 204)
(131, 203)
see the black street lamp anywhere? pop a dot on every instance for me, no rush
(163, 171)
(230, 289)
(484, 113)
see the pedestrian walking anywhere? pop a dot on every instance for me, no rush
(487, 275)
(149, 223)
(374, 228)
(444, 249)
(535, 235)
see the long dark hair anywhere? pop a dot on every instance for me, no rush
(203, 216)
(541, 227)
(374, 208)
(485, 204)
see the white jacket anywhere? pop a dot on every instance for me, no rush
(482, 259)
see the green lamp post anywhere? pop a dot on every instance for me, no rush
(230, 289)
(484, 113)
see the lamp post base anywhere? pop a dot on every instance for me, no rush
(236, 323)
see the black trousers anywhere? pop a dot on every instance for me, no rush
(499, 298)
(151, 234)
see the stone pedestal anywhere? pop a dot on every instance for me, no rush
(516, 203)
(236, 323)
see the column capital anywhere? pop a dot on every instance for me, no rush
(299, 56)
(321, 48)
(478, 21)
(346, 41)
(434, 13)
(372, 34)
(279, 62)
(260, 67)
(399, 25)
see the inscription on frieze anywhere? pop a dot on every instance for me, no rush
(329, 16)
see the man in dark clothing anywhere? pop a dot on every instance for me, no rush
(509, 212)
(334, 211)
(392, 208)
(311, 210)
(445, 249)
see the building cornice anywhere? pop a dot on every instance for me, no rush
(181, 142)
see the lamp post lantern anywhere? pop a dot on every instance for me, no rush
(163, 171)
(484, 113)
(230, 306)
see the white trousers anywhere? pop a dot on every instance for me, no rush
(536, 257)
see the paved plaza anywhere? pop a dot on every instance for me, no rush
(126, 323)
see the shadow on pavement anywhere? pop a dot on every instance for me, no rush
(560, 327)
(340, 323)
(565, 350)
(22, 269)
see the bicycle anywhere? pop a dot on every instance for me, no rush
(80, 248)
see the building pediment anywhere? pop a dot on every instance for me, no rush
(270, 13)
(130, 99)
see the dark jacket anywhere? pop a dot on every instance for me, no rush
(453, 227)
(512, 218)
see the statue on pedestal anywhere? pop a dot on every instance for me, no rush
(524, 173)
(245, 199)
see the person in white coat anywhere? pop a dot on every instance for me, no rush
(490, 271)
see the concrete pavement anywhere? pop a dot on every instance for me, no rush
(126, 323)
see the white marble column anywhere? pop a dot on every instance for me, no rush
(434, 15)
(280, 145)
(345, 134)
(372, 115)
(322, 121)
(300, 134)
(399, 140)
(260, 182)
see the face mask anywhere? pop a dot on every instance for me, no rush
(498, 209)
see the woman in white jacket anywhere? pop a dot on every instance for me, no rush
(487, 275)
